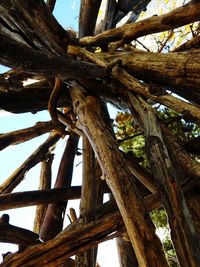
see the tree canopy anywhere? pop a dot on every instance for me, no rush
(142, 57)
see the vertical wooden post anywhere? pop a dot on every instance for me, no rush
(184, 236)
(45, 183)
(141, 231)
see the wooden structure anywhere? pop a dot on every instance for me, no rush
(75, 82)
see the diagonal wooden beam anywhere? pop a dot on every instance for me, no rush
(176, 18)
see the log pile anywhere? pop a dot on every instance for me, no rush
(76, 77)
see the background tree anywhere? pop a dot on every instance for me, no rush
(148, 159)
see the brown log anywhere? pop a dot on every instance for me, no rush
(55, 252)
(54, 216)
(176, 18)
(23, 135)
(38, 155)
(36, 197)
(189, 111)
(88, 15)
(140, 173)
(183, 160)
(184, 236)
(31, 98)
(126, 253)
(13, 54)
(51, 4)
(16, 235)
(178, 70)
(34, 26)
(191, 44)
(119, 179)
(45, 184)
(193, 200)
(88, 201)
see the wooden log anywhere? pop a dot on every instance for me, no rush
(191, 44)
(38, 155)
(88, 15)
(108, 18)
(36, 197)
(189, 111)
(36, 22)
(29, 60)
(54, 216)
(176, 18)
(88, 201)
(55, 252)
(16, 235)
(45, 184)
(31, 98)
(178, 70)
(20, 136)
(136, 8)
(184, 236)
(119, 179)
(51, 4)
(126, 253)
(190, 166)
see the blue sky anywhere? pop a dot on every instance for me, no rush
(66, 13)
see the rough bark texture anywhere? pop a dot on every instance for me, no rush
(126, 253)
(75, 79)
(184, 235)
(45, 183)
(176, 18)
(54, 216)
(122, 186)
